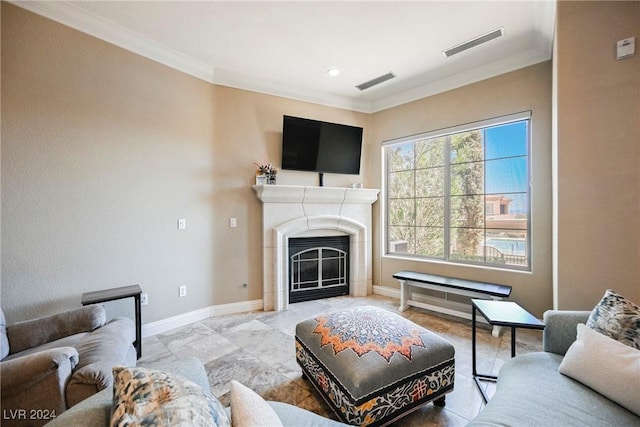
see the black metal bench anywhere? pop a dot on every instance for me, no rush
(470, 288)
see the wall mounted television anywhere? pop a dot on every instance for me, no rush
(317, 146)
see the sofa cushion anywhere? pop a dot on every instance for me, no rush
(249, 409)
(532, 393)
(617, 317)
(36, 332)
(70, 341)
(291, 415)
(4, 341)
(605, 365)
(148, 397)
(110, 342)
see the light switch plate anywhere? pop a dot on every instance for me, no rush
(182, 224)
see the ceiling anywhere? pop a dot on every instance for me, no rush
(286, 48)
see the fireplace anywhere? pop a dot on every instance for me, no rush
(290, 212)
(318, 267)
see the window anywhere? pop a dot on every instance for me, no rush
(461, 194)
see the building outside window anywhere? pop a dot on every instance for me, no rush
(461, 194)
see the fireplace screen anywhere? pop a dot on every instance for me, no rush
(318, 267)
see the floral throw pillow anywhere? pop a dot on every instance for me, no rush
(618, 318)
(145, 397)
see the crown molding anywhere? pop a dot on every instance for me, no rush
(239, 81)
(73, 16)
(493, 69)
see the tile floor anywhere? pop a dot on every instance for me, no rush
(258, 350)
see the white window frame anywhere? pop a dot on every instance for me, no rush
(496, 121)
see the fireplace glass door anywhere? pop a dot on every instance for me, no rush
(318, 267)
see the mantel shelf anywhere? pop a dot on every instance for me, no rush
(310, 194)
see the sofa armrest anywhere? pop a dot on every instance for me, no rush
(99, 351)
(32, 333)
(37, 381)
(560, 329)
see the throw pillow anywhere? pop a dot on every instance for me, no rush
(145, 397)
(606, 365)
(4, 340)
(249, 409)
(617, 317)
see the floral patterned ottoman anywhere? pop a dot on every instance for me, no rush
(373, 366)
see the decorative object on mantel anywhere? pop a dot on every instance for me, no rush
(266, 173)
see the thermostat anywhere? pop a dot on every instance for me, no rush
(626, 48)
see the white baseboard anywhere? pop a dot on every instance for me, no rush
(386, 291)
(164, 325)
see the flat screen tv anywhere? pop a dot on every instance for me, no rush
(316, 146)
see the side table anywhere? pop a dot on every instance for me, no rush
(113, 294)
(499, 313)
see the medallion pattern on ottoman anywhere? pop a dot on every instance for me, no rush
(373, 366)
(364, 330)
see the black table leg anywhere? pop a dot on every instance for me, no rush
(473, 339)
(476, 376)
(138, 342)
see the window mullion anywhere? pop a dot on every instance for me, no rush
(447, 196)
(484, 194)
(415, 203)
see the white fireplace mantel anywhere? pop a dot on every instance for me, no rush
(296, 211)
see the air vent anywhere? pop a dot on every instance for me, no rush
(376, 81)
(474, 42)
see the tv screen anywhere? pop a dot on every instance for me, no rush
(316, 146)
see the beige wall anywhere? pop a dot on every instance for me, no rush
(598, 153)
(526, 89)
(102, 152)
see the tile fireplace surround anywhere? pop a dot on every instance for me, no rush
(295, 211)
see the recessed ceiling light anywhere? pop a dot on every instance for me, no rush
(333, 72)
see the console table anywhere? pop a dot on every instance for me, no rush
(499, 313)
(113, 294)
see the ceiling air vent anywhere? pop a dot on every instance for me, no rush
(474, 42)
(376, 81)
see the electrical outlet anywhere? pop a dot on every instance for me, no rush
(144, 299)
(182, 291)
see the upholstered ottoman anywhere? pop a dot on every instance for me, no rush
(373, 366)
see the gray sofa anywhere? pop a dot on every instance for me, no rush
(531, 392)
(96, 410)
(54, 362)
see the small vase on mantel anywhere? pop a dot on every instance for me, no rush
(266, 174)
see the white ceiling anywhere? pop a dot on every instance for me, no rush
(285, 48)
